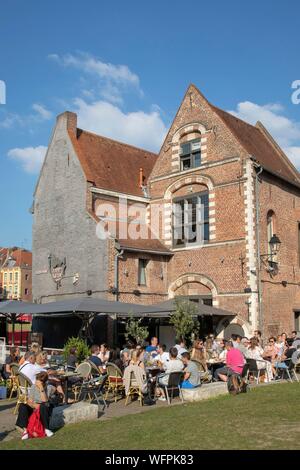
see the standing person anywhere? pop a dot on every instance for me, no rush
(234, 363)
(37, 398)
(258, 336)
(191, 377)
(13, 358)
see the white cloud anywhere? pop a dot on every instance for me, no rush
(284, 130)
(42, 111)
(112, 80)
(31, 158)
(139, 128)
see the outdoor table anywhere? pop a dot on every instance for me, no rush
(214, 364)
(66, 376)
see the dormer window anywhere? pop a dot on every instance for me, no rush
(190, 154)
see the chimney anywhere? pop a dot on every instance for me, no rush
(141, 178)
(70, 121)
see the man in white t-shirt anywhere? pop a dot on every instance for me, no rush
(180, 346)
(29, 367)
(173, 365)
(162, 356)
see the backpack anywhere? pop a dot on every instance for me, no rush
(35, 427)
(236, 384)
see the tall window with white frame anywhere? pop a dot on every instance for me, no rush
(190, 154)
(191, 220)
(142, 272)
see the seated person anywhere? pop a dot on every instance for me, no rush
(163, 357)
(137, 367)
(180, 346)
(114, 358)
(29, 368)
(125, 358)
(191, 373)
(13, 358)
(174, 365)
(137, 358)
(104, 353)
(153, 347)
(283, 361)
(37, 398)
(72, 359)
(94, 357)
(53, 383)
(198, 354)
(254, 352)
(234, 363)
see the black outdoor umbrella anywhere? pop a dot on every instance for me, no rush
(80, 306)
(201, 309)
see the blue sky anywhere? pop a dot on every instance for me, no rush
(124, 67)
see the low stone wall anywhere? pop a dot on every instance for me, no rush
(205, 391)
(74, 413)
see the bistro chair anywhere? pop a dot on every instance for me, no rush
(13, 380)
(94, 369)
(286, 368)
(114, 383)
(134, 389)
(93, 389)
(254, 370)
(174, 382)
(24, 384)
(84, 370)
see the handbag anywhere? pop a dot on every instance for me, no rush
(35, 427)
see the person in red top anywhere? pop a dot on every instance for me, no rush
(234, 363)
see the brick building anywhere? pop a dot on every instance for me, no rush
(15, 274)
(195, 221)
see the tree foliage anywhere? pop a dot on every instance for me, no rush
(135, 331)
(184, 320)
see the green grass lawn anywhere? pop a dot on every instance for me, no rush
(265, 418)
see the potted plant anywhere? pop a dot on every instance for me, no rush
(82, 349)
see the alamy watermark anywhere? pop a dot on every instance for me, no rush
(2, 92)
(296, 94)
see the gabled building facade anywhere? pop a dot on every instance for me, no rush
(203, 219)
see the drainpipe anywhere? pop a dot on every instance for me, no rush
(118, 255)
(258, 259)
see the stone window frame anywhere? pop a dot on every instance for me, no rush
(168, 207)
(184, 134)
(199, 223)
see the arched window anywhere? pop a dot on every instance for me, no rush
(190, 154)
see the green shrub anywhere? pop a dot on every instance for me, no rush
(82, 349)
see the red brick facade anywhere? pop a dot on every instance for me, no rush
(227, 267)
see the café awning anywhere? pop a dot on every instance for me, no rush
(201, 309)
(86, 305)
